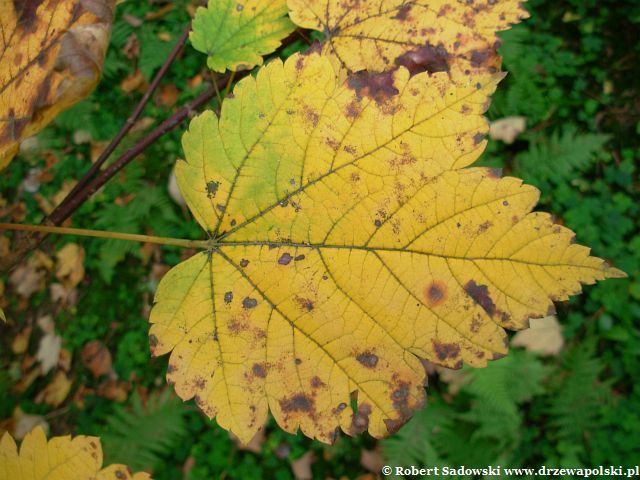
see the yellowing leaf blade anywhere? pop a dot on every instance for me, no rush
(436, 36)
(62, 458)
(51, 54)
(235, 34)
(348, 244)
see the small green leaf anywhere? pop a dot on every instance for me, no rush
(236, 34)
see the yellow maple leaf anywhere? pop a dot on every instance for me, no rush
(61, 458)
(433, 35)
(51, 54)
(348, 243)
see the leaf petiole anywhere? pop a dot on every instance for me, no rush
(174, 242)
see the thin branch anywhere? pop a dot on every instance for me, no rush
(133, 118)
(174, 242)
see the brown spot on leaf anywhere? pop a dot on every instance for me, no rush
(353, 109)
(305, 303)
(484, 226)
(445, 351)
(259, 370)
(393, 425)
(377, 86)
(480, 295)
(212, 189)
(400, 399)
(480, 57)
(198, 383)
(477, 138)
(228, 297)
(153, 341)
(26, 12)
(244, 263)
(249, 303)
(429, 59)
(316, 382)
(403, 12)
(360, 420)
(297, 403)
(339, 408)
(368, 359)
(312, 116)
(285, 259)
(435, 293)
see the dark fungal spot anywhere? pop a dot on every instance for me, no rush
(360, 420)
(212, 189)
(259, 370)
(312, 116)
(299, 258)
(377, 223)
(198, 383)
(429, 59)
(299, 63)
(298, 361)
(228, 297)
(435, 293)
(395, 424)
(153, 341)
(340, 407)
(477, 138)
(244, 263)
(297, 403)
(353, 109)
(171, 368)
(239, 7)
(26, 11)
(400, 399)
(403, 12)
(377, 86)
(445, 351)
(285, 259)
(480, 295)
(485, 226)
(498, 356)
(368, 359)
(505, 203)
(305, 303)
(249, 303)
(479, 57)
(120, 474)
(316, 382)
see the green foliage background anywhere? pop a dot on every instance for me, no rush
(574, 69)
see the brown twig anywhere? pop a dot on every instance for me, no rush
(133, 118)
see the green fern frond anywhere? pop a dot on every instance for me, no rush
(141, 435)
(580, 396)
(558, 158)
